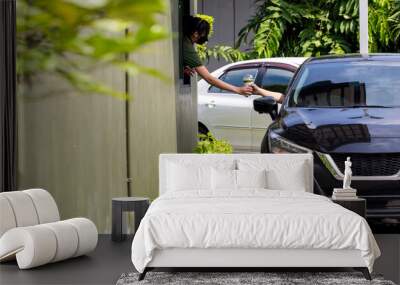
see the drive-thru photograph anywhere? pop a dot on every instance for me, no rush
(200, 142)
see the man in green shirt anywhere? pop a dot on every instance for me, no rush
(196, 30)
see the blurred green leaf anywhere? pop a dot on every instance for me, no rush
(71, 36)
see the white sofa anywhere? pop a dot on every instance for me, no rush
(31, 230)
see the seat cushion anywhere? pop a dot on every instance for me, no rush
(7, 220)
(27, 208)
(46, 207)
(67, 240)
(32, 246)
(40, 244)
(87, 234)
(23, 208)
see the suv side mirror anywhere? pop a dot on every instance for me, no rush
(266, 105)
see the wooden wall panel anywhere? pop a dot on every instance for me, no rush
(152, 115)
(73, 146)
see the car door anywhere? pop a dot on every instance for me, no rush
(229, 114)
(273, 78)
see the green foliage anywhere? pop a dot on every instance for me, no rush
(219, 51)
(313, 28)
(223, 52)
(210, 20)
(202, 49)
(70, 37)
(209, 144)
(394, 20)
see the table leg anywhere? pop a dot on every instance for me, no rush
(116, 229)
(140, 211)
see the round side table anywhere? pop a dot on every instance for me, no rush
(138, 205)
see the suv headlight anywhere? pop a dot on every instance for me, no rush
(278, 144)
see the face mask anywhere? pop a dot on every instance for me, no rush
(202, 40)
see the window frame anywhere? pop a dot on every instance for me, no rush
(257, 65)
(275, 65)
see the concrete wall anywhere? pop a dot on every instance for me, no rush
(229, 17)
(75, 145)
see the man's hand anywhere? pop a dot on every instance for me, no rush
(244, 90)
(279, 97)
(256, 89)
(214, 81)
(188, 71)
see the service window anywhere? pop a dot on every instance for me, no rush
(234, 77)
(276, 79)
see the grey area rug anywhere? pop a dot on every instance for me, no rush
(269, 278)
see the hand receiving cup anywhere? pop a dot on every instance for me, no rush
(245, 90)
(256, 89)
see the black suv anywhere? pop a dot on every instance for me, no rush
(345, 106)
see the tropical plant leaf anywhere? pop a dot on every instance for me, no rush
(315, 27)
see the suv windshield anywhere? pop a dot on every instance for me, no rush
(347, 84)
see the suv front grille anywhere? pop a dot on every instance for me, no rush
(385, 164)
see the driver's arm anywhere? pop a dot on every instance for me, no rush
(212, 80)
(263, 92)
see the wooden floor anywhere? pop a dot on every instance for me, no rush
(102, 266)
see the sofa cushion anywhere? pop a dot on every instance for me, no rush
(87, 233)
(7, 220)
(67, 240)
(23, 208)
(33, 246)
(40, 244)
(46, 207)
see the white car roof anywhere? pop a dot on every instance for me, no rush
(296, 61)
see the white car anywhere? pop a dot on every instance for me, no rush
(230, 116)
